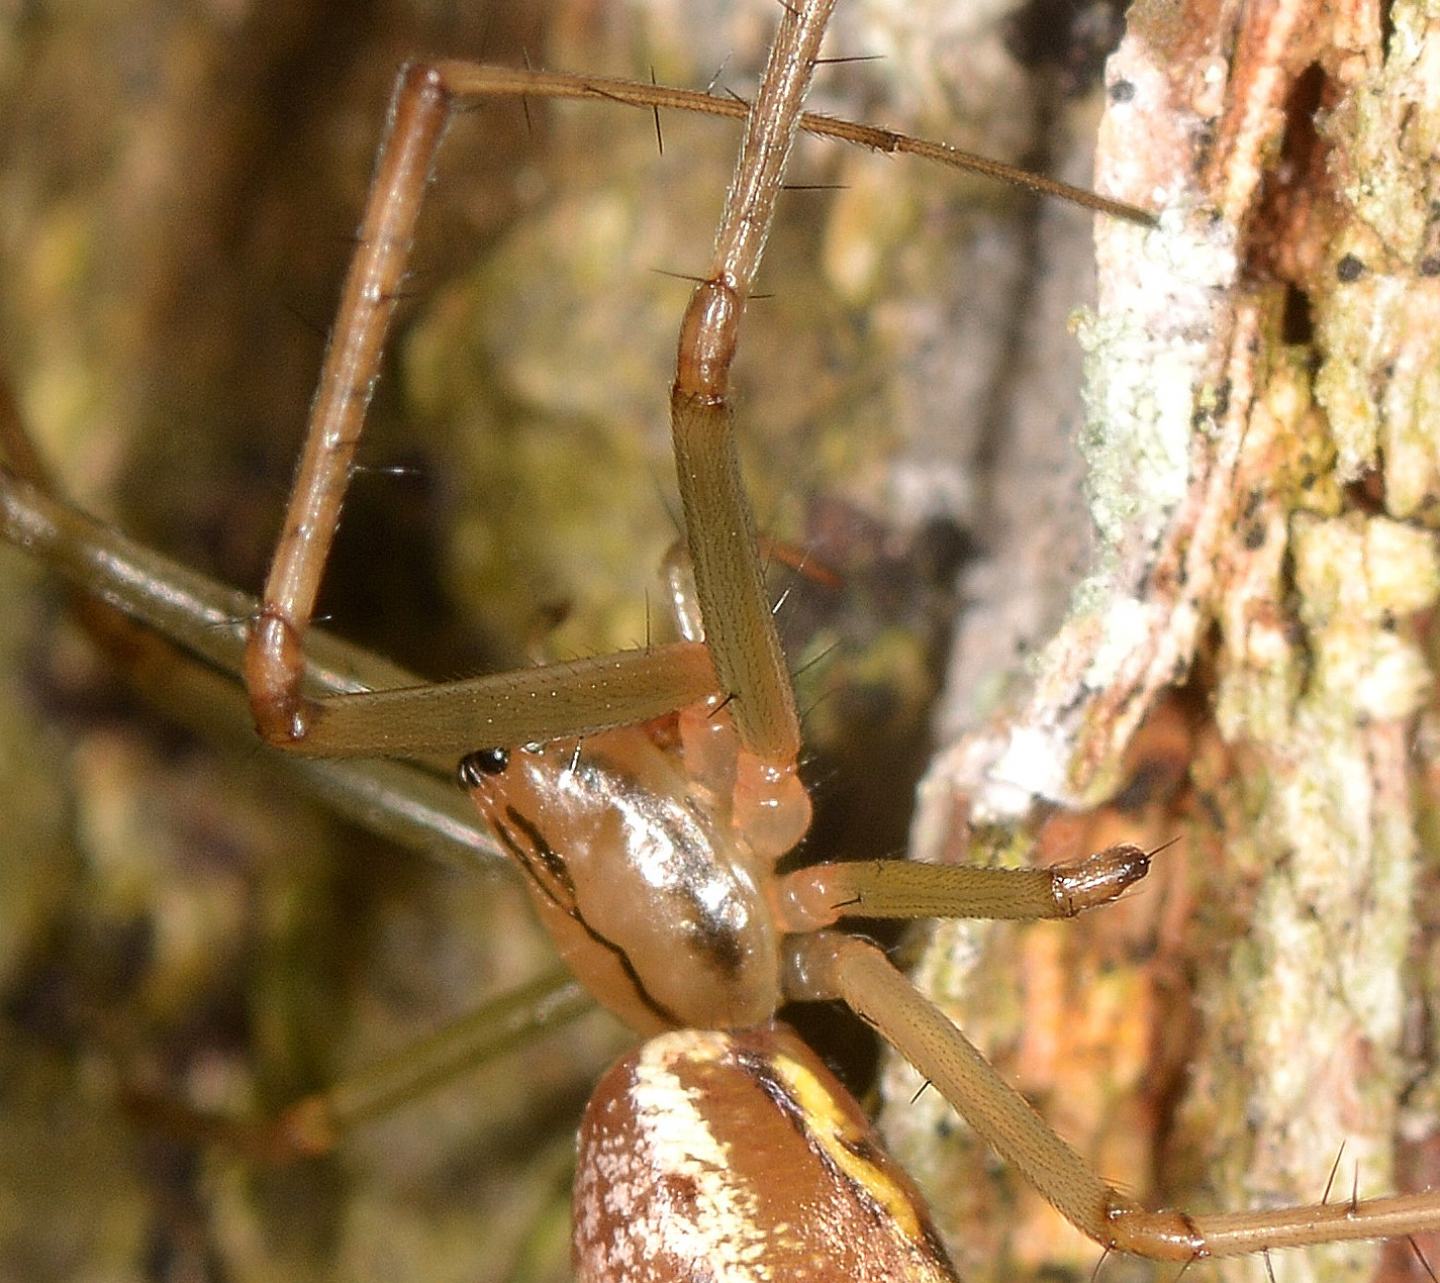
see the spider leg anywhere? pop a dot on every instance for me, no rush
(821, 894)
(826, 965)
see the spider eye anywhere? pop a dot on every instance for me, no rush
(474, 767)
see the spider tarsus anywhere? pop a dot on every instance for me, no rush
(1098, 879)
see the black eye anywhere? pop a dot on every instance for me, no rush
(474, 767)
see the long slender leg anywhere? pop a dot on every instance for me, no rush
(827, 965)
(396, 801)
(720, 527)
(409, 718)
(770, 805)
(822, 894)
(160, 617)
(317, 1123)
(499, 1026)
(476, 80)
(405, 803)
(538, 704)
(424, 97)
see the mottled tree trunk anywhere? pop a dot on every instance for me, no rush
(1247, 666)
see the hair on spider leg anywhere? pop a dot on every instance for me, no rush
(599, 92)
(306, 322)
(235, 623)
(1334, 1168)
(402, 294)
(396, 471)
(830, 692)
(723, 704)
(525, 98)
(659, 135)
(921, 1090)
(815, 660)
(1420, 1256)
(678, 276)
(715, 76)
(1164, 846)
